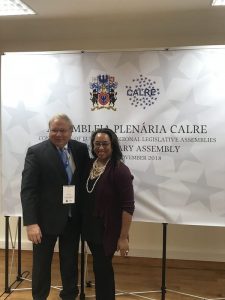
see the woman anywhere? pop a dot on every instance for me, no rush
(108, 209)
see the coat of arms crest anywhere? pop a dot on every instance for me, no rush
(103, 92)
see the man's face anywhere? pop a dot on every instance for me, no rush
(59, 132)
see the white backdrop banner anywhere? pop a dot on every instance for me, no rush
(167, 108)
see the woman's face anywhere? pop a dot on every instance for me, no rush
(102, 146)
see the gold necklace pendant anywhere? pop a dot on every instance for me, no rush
(95, 173)
(97, 170)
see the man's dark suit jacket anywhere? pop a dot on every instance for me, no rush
(43, 178)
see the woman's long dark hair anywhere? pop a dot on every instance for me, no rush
(116, 151)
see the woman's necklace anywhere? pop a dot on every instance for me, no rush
(95, 173)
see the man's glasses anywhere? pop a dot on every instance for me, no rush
(103, 144)
(62, 131)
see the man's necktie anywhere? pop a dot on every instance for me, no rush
(65, 158)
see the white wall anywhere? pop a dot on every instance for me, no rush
(136, 30)
(183, 242)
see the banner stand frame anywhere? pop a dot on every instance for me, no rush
(120, 292)
(9, 288)
(163, 272)
(7, 271)
(163, 288)
(20, 276)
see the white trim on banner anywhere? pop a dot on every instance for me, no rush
(99, 51)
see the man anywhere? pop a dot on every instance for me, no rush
(50, 200)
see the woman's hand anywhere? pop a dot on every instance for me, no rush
(123, 246)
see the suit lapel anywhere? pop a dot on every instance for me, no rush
(73, 148)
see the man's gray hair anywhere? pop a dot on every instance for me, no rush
(61, 117)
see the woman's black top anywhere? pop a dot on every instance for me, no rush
(93, 227)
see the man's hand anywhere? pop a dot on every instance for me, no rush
(34, 233)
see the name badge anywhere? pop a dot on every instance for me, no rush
(68, 194)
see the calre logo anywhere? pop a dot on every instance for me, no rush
(143, 92)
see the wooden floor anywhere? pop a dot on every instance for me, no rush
(199, 280)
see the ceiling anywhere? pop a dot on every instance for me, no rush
(104, 24)
(78, 8)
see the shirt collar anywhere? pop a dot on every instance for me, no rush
(65, 148)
